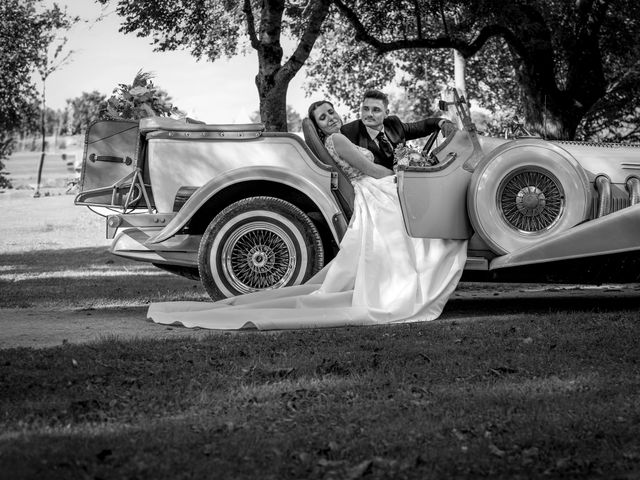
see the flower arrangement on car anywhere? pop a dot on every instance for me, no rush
(405, 155)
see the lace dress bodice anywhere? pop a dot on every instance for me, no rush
(351, 172)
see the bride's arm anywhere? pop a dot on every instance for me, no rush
(350, 154)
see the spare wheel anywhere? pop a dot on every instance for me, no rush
(526, 191)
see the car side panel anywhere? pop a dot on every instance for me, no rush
(174, 163)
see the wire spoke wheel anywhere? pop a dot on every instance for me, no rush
(531, 200)
(258, 243)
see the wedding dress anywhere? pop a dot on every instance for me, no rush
(380, 275)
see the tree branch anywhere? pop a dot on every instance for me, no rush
(317, 16)
(271, 29)
(251, 25)
(416, 9)
(445, 27)
(599, 14)
(467, 49)
(489, 32)
(591, 14)
(361, 32)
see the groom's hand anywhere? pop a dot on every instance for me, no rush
(446, 127)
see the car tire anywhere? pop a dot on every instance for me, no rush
(525, 191)
(258, 243)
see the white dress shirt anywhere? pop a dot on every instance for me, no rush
(373, 133)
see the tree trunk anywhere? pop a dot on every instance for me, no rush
(459, 68)
(273, 77)
(273, 104)
(549, 111)
(43, 132)
(272, 87)
(549, 115)
(555, 106)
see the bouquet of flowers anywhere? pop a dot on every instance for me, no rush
(408, 156)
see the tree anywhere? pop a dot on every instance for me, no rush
(82, 111)
(22, 32)
(51, 57)
(213, 29)
(566, 57)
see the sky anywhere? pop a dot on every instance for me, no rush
(215, 92)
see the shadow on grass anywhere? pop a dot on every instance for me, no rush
(93, 277)
(541, 304)
(536, 399)
(87, 277)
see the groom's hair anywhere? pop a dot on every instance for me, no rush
(378, 95)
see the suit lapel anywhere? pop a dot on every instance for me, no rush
(363, 138)
(392, 132)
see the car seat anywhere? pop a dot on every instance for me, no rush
(344, 193)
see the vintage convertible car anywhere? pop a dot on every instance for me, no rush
(244, 209)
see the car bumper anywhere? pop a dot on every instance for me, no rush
(179, 250)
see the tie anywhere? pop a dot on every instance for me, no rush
(384, 145)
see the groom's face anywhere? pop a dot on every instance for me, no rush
(373, 112)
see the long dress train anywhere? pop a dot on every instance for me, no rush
(380, 275)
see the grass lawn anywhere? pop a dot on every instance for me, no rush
(484, 392)
(533, 396)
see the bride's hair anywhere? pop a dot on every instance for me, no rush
(312, 117)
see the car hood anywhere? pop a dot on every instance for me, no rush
(616, 160)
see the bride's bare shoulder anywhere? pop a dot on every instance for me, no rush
(339, 140)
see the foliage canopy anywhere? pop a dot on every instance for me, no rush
(215, 29)
(26, 29)
(572, 63)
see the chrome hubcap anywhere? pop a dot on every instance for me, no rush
(257, 256)
(259, 259)
(531, 200)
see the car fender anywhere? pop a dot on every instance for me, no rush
(321, 197)
(614, 233)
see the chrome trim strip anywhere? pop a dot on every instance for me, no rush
(140, 220)
(597, 144)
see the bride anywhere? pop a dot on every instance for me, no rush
(380, 275)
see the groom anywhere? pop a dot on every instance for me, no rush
(380, 133)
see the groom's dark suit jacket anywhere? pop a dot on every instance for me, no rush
(396, 130)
